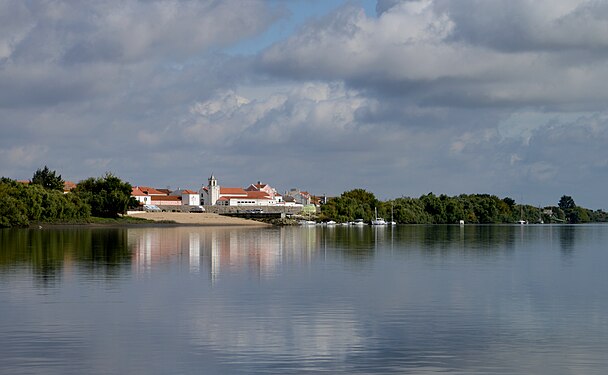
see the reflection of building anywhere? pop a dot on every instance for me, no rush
(221, 250)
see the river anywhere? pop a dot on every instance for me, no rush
(508, 299)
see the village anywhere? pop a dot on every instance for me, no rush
(213, 198)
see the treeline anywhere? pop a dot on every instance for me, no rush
(443, 209)
(43, 200)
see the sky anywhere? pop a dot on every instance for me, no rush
(400, 98)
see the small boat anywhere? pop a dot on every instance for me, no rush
(378, 220)
(307, 222)
(331, 222)
(358, 222)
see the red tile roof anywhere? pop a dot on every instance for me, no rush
(150, 190)
(189, 192)
(232, 191)
(68, 185)
(257, 195)
(136, 192)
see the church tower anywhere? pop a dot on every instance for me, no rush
(214, 190)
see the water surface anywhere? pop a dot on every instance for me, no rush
(409, 299)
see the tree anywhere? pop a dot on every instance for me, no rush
(566, 202)
(108, 196)
(48, 179)
(351, 205)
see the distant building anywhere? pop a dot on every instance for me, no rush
(68, 186)
(301, 197)
(254, 195)
(141, 196)
(189, 197)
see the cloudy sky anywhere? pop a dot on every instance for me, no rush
(397, 97)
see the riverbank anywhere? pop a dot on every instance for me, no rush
(204, 219)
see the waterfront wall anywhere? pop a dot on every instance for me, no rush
(243, 209)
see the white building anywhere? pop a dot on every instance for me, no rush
(300, 197)
(254, 195)
(189, 197)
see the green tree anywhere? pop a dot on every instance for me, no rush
(48, 179)
(566, 202)
(13, 211)
(108, 196)
(351, 205)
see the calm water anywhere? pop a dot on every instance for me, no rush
(411, 299)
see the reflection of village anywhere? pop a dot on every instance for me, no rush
(220, 250)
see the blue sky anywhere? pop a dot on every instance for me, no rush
(400, 97)
(296, 14)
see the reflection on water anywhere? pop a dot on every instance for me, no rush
(215, 251)
(409, 299)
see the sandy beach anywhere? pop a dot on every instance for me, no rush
(207, 219)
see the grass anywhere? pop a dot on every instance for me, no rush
(119, 220)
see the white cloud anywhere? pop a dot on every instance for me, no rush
(434, 95)
(428, 52)
(23, 156)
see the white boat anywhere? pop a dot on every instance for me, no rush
(378, 220)
(331, 222)
(392, 222)
(358, 222)
(307, 222)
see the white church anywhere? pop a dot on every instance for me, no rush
(254, 195)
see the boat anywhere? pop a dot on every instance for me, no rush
(378, 220)
(331, 222)
(392, 222)
(358, 222)
(521, 221)
(307, 222)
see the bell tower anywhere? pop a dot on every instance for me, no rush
(214, 190)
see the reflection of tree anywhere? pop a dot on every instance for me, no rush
(360, 243)
(567, 239)
(49, 252)
(354, 243)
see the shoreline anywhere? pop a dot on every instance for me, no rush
(162, 219)
(195, 219)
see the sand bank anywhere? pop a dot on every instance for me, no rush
(197, 218)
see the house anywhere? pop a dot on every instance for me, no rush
(68, 186)
(301, 197)
(269, 190)
(147, 195)
(140, 196)
(189, 197)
